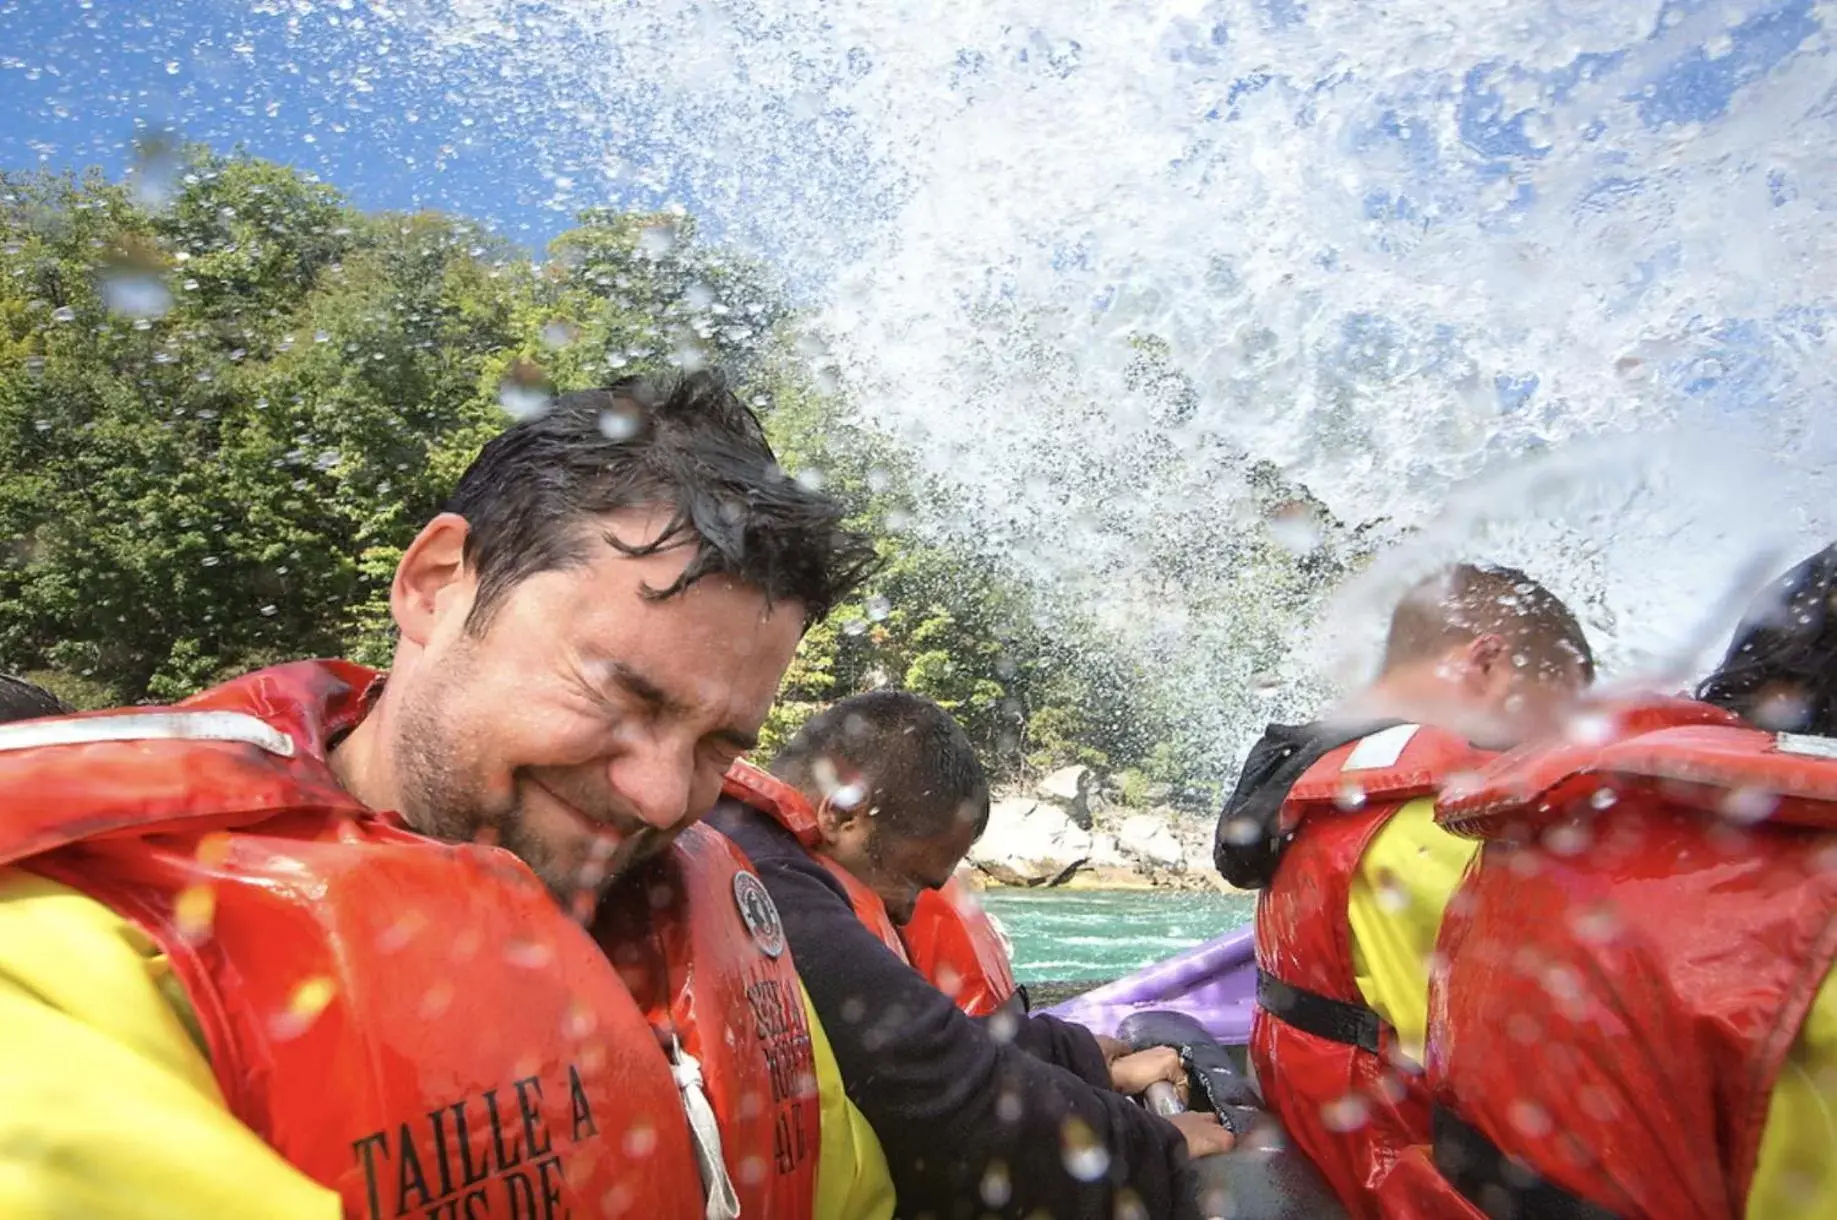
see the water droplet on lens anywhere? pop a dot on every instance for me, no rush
(528, 954)
(1748, 806)
(1567, 839)
(1529, 1118)
(435, 1001)
(192, 911)
(398, 934)
(310, 998)
(640, 1140)
(1348, 1113)
(524, 392)
(154, 174)
(1595, 925)
(621, 423)
(1589, 728)
(1242, 832)
(1129, 1206)
(656, 240)
(995, 1188)
(1084, 1158)
(1296, 528)
(141, 295)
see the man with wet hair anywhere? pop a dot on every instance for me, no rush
(1487, 650)
(1332, 822)
(1009, 1114)
(898, 793)
(886, 787)
(1635, 1007)
(312, 942)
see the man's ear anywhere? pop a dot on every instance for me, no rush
(833, 822)
(1488, 664)
(431, 580)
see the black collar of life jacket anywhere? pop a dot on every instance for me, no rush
(1250, 838)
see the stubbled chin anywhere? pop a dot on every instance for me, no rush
(599, 872)
(646, 844)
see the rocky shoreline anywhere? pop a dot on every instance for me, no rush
(1072, 830)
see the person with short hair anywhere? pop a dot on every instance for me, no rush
(868, 809)
(899, 794)
(1332, 822)
(324, 941)
(895, 796)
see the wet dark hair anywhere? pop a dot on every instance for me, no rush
(1466, 601)
(533, 496)
(1780, 672)
(914, 765)
(21, 700)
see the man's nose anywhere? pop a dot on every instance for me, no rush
(656, 783)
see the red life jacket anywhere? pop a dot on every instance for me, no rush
(1330, 1067)
(952, 941)
(785, 805)
(700, 946)
(1629, 963)
(416, 1025)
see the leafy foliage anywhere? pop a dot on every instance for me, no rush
(223, 415)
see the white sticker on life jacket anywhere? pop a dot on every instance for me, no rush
(1804, 744)
(147, 726)
(1382, 749)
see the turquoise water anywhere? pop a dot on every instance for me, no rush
(1062, 935)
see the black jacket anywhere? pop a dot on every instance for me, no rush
(975, 1115)
(1250, 838)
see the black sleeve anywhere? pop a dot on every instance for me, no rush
(972, 1124)
(1061, 1043)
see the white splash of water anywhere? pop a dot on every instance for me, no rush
(1544, 282)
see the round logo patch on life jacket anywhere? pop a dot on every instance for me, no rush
(760, 915)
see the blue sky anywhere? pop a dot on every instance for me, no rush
(354, 100)
(77, 77)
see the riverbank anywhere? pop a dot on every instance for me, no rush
(1073, 830)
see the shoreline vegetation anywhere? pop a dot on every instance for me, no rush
(228, 398)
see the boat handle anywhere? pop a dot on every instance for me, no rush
(1163, 1098)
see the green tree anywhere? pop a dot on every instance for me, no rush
(221, 419)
